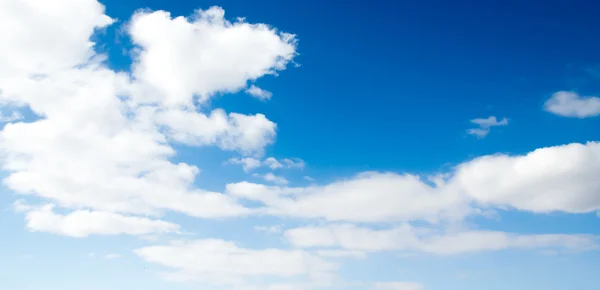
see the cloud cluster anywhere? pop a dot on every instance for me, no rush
(554, 179)
(101, 142)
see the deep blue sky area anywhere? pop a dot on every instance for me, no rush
(391, 85)
(414, 72)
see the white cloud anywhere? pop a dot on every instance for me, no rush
(247, 134)
(82, 223)
(259, 93)
(398, 286)
(485, 126)
(101, 143)
(112, 256)
(184, 57)
(571, 104)
(89, 154)
(34, 39)
(248, 163)
(368, 197)
(428, 240)
(270, 177)
(223, 262)
(559, 178)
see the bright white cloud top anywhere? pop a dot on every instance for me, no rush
(98, 157)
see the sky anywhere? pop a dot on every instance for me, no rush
(299, 145)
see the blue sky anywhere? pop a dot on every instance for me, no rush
(309, 145)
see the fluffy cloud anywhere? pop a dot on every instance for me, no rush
(538, 182)
(247, 134)
(86, 152)
(427, 240)
(101, 140)
(485, 126)
(180, 58)
(82, 223)
(571, 104)
(560, 178)
(34, 40)
(224, 262)
(259, 93)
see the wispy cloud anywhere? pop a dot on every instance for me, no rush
(485, 125)
(259, 93)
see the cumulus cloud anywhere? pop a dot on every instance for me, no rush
(559, 178)
(571, 104)
(259, 93)
(225, 263)
(428, 240)
(247, 134)
(180, 58)
(34, 40)
(485, 125)
(83, 223)
(101, 140)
